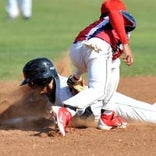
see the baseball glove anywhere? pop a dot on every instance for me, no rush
(75, 86)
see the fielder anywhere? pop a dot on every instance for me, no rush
(15, 7)
(40, 74)
(96, 51)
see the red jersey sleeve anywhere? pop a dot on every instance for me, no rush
(113, 7)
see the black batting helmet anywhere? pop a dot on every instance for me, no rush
(39, 71)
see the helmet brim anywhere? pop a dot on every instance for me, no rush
(26, 81)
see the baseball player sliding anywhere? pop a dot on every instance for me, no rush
(40, 74)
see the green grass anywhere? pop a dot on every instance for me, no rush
(54, 25)
(143, 39)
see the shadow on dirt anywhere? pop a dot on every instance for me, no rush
(24, 109)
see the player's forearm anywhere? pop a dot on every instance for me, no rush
(117, 22)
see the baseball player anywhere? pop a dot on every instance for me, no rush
(15, 7)
(40, 74)
(96, 50)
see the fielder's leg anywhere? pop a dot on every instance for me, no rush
(26, 8)
(108, 118)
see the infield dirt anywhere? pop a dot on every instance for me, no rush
(26, 131)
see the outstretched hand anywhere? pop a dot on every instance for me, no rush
(127, 55)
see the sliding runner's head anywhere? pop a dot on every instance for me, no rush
(39, 72)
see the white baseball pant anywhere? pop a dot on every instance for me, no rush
(15, 7)
(95, 58)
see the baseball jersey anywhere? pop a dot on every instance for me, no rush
(110, 27)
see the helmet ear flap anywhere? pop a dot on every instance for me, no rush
(44, 82)
(40, 82)
(53, 71)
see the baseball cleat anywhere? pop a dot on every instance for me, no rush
(107, 122)
(63, 118)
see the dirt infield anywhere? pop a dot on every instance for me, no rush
(26, 131)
